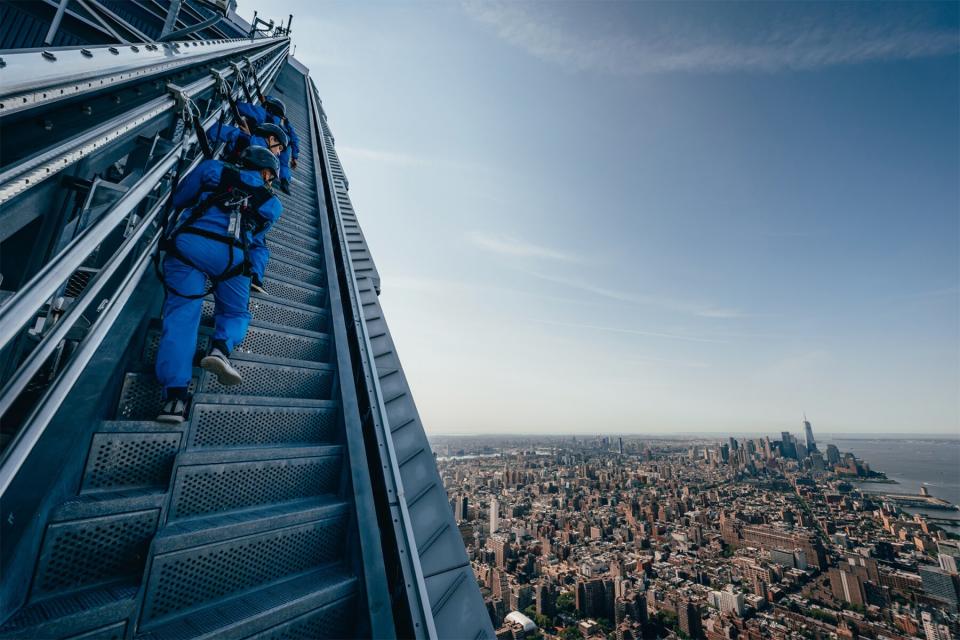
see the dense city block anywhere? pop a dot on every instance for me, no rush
(607, 537)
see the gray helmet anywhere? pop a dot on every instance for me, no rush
(275, 106)
(254, 157)
(270, 129)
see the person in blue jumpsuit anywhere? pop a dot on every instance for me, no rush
(274, 111)
(221, 210)
(236, 139)
(274, 138)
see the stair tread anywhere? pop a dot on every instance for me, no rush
(78, 611)
(156, 325)
(250, 454)
(187, 533)
(263, 401)
(266, 297)
(249, 612)
(290, 281)
(104, 503)
(242, 357)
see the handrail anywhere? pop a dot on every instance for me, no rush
(30, 79)
(17, 452)
(28, 174)
(379, 408)
(16, 311)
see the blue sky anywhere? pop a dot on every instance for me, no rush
(602, 217)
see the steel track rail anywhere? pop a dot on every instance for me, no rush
(44, 285)
(32, 79)
(28, 174)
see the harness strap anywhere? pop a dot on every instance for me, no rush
(230, 186)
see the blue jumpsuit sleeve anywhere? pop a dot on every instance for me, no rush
(294, 141)
(284, 160)
(224, 133)
(257, 249)
(252, 111)
(204, 178)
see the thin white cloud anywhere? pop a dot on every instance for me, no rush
(635, 332)
(583, 285)
(670, 304)
(784, 44)
(721, 313)
(513, 246)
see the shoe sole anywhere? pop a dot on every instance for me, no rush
(226, 376)
(170, 419)
(257, 289)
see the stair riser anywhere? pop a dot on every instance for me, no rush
(119, 461)
(330, 621)
(201, 490)
(307, 244)
(276, 313)
(92, 551)
(141, 395)
(297, 255)
(291, 291)
(294, 273)
(182, 579)
(215, 425)
(259, 341)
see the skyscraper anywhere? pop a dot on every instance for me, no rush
(788, 445)
(494, 515)
(808, 436)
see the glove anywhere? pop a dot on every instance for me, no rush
(293, 163)
(285, 186)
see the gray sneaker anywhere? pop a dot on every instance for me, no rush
(174, 411)
(218, 363)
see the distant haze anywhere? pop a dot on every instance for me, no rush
(643, 217)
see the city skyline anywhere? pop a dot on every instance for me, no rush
(604, 538)
(654, 217)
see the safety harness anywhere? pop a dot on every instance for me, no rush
(242, 202)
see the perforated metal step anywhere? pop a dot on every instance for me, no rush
(315, 604)
(181, 580)
(279, 311)
(232, 422)
(279, 267)
(281, 287)
(100, 612)
(218, 481)
(298, 226)
(291, 254)
(95, 540)
(131, 455)
(305, 243)
(140, 397)
(294, 344)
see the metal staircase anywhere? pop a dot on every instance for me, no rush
(302, 503)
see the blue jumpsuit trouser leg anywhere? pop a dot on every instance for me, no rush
(181, 315)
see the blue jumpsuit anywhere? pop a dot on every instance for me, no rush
(181, 316)
(259, 115)
(259, 253)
